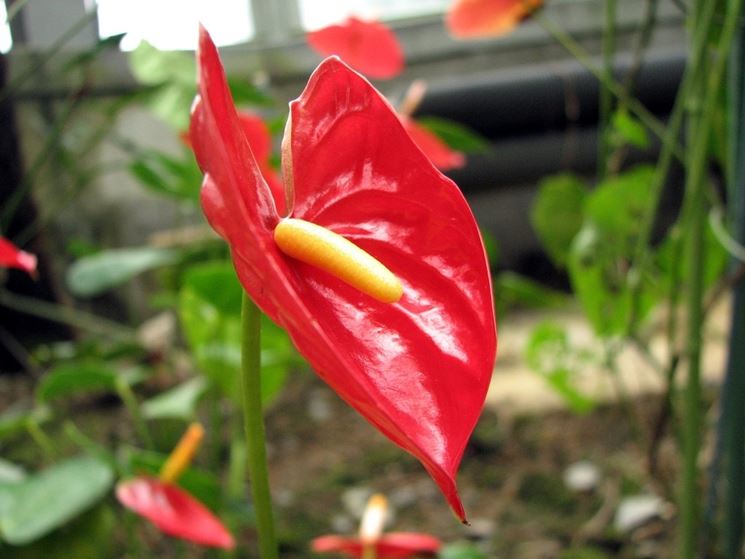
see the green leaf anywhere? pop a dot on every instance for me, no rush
(209, 308)
(165, 175)
(514, 290)
(74, 378)
(15, 419)
(455, 135)
(179, 402)
(175, 74)
(47, 500)
(460, 551)
(550, 354)
(245, 93)
(89, 536)
(100, 272)
(629, 130)
(602, 251)
(557, 215)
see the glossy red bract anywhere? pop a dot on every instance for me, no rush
(174, 511)
(394, 545)
(487, 18)
(13, 257)
(370, 47)
(417, 369)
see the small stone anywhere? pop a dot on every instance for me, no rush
(637, 510)
(582, 476)
(481, 529)
(319, 407)
(158, 333)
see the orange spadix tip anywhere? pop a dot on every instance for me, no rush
(182, 454)
(329, 251)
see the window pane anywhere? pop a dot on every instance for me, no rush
(173, 24)
(6, 40)
(319, 13)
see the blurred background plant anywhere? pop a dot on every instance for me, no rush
(131, 328)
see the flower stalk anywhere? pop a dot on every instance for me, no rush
(254, 427)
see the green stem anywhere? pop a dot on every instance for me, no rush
(636, 107)
(40, 438)
(133, 406)
(703, 100)
(66, 315)
(254, 426)
(606, 95)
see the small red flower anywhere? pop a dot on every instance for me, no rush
(174, 511)
(433, 147)
(417, 366)
(12, 257)
(369, 47)
(484, 18)
(392, 545)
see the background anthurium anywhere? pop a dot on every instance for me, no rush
(484, 18)
(433, 147)
(12, 257)
(417, 369)
(370, 47)
(393, 545)
(174, 511)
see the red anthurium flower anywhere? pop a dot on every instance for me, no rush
(12, 257)
(414, 357)
(484, 18)
(174, 511)
(433, 147)
(393, 545)
(369, 47)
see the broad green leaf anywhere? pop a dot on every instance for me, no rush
(460, 551)
(245, 93)
(629, 130)
(75, 378)
(174, 72)
(557, 215)
(209, 308)
(100, 272)
(16, 419)
(511, 289)
(49, 499)
(455, 135)
(10, 473)
(179, 402)
(491, 245)
(89, 536)
(600, 255)
(550, 354)
(163, 174)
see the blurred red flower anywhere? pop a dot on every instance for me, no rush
(438, 152)
(13, 257)
(370, 47)
(417, 368)
(171, 509)
(484, 18)
(393, 545)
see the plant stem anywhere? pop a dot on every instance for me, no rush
(133, 406)
(733, 389)
(703, 100)
(606, 95)
(254, 427)
(641, 112)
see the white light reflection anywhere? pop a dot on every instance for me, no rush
(173, 24)
(6, 40)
